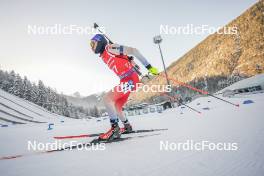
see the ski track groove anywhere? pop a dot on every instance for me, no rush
(20, 118)
(38, 107)
(11, 121)
(21, 105)
(8, 107)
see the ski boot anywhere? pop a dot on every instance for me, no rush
(127, 127)
(112, 134)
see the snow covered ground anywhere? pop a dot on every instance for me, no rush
(219, 123)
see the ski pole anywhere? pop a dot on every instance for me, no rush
(202, 92)
(191, 108)
(180, 103)
(237, 105)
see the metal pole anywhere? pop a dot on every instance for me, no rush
(158, 40)
(164, 67)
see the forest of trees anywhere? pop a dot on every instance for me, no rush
(43, 96)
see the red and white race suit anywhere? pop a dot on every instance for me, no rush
(116, 58)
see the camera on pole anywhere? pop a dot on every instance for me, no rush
(157, 39)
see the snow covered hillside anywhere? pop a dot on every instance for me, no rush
(240, 129)
(14, 110)
(257, 80)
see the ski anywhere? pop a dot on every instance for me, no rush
(88, 144)
(98, 134)
(99, 141)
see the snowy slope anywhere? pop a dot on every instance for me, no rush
(250, 82)
(219, 122)
(14, 110)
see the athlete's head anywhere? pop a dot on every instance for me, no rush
(98, 43)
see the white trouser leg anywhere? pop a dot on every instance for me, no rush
(122, 117)
(110, 108)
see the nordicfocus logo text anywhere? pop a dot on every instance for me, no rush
(39, 146)
(190, 29)
(130, 87)
(190, 145)
(60, 29)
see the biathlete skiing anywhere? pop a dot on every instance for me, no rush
(117, 58)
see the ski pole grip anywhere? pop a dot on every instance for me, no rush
(130, 58)
(95, 25)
